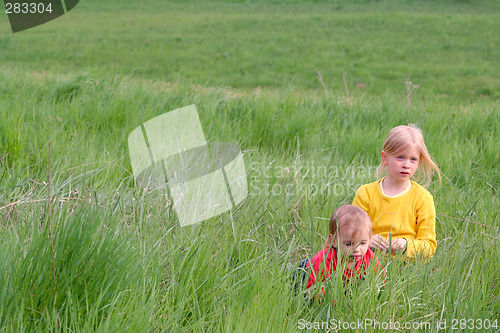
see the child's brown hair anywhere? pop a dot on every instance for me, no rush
(349, 215)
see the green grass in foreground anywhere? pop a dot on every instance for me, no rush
(105, 256)
(121, 262)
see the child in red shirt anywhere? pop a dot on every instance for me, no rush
(350, 232)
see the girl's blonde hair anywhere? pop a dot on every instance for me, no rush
(402, 137)
(346, 216)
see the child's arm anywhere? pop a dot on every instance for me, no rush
(399, 244)
(317, 263)
(362, 201)
(424, 245)
(321, 267)
(379, 242)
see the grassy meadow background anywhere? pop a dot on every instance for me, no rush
(309, 90)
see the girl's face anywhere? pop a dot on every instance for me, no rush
(352, 243)
(402, 165)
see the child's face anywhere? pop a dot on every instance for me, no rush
(352, 243)
(402, 165)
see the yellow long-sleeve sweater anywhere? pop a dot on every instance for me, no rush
(411, 216)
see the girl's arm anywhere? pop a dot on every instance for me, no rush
(424, 245)
(362, 200)
(379, 242)
(317, 264)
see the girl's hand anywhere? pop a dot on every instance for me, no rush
(398, 244)
(379, 243)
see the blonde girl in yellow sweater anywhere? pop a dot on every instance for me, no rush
(402, 211)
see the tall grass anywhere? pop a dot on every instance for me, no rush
(121, 262)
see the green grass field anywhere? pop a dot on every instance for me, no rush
(106, 256)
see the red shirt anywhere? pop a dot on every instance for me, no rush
(329, 265)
